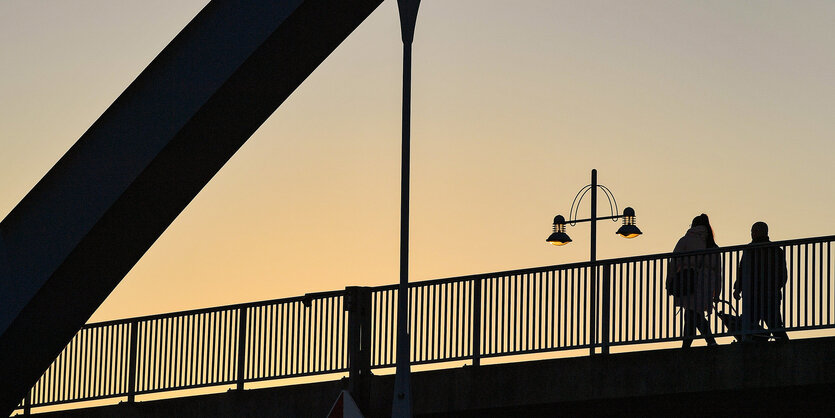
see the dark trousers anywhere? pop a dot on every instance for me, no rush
(696, 320)
(772, 317)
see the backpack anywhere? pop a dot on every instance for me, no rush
(681, 283)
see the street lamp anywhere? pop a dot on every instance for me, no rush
(401, 406)
(559, 237)
(627, 230)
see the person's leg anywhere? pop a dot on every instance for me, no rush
(749, 316)
(689, 327)
(704, 327)
(774, 320)
(758, 327)
(757, 314)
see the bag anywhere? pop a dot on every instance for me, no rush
(682, 283)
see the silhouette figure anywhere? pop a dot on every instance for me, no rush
(702, 278)
(761, 276)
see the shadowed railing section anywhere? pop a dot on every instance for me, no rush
(577, 306)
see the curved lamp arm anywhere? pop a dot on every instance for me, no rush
(578, 198)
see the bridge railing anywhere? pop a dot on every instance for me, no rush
(595, 306)
(576, 306)
(291, 337)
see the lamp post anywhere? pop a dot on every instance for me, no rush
(627, 230)
(401, 405)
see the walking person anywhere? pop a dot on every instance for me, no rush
(761, 277)
(701, 277)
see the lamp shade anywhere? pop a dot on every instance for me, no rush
(559, 237)
(628, 229)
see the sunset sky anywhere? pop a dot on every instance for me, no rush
(722, 107)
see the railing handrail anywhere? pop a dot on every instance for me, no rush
(514, 272)
(152, 317)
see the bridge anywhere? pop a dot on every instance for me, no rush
(63, 249)
(585, 310)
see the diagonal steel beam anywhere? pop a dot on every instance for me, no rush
(79, 231)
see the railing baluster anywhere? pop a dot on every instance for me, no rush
(526, 280)
(501, 310)
(632, 279)
(829, 284)
(444, 331)
(544, 311)
(620, 300)
(592, 318)
(820, 285)
(424, 324)
(607, 300)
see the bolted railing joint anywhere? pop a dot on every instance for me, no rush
(358, 305)
(241, 360)
(477, 322)
(27, 404)
(132, 360)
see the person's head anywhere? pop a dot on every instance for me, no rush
(759, 232)
(702, 220)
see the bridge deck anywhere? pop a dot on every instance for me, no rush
(796, 377)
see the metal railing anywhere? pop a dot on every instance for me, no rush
(576, 306)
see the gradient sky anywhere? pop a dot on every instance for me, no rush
(722, 107)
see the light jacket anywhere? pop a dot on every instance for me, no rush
(708, 269)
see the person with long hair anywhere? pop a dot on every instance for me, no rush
(703, 274)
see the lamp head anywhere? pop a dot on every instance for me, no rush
(559, 237)
(628, 229)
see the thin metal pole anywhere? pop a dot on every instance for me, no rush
(402, 386)
(593, 259)
(593, 256)
(402, 401)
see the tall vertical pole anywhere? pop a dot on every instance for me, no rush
(593, 259)
(593, 256)
(402, 403)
